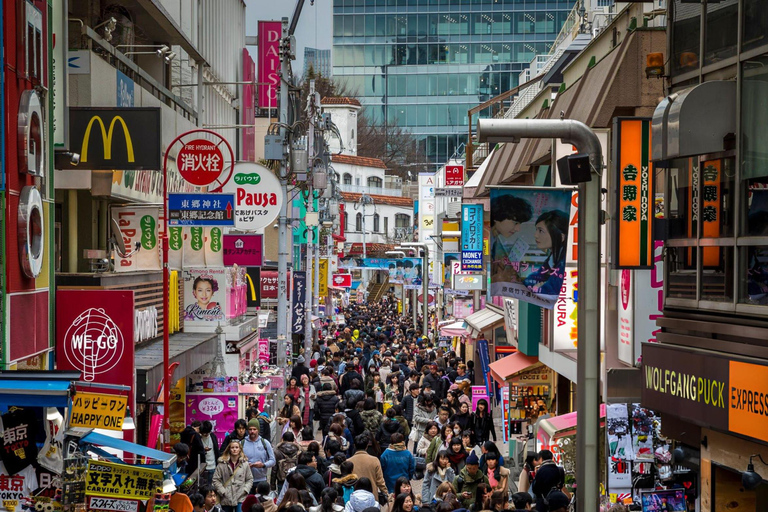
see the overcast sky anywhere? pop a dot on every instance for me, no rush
(315, 29)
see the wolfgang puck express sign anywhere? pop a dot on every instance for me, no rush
(706, 389)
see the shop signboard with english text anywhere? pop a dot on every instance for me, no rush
(472, 237)
(258, 196)
(219, 409)
(269, 34)
(139, 231)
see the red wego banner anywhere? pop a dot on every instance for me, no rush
(269, 62)
(94, 335)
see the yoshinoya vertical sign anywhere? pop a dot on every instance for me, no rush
(634, 195)
(298, 321)
(270, 33)
(139, 230)
(471, 237)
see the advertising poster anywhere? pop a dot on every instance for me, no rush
(138, 229)
(214, 255)
(177, 410)
(219, 409)
(204, 295)
(176, 247)
(472, 237)
(448, 260)
(113, 480)
(299, 319)
(529, 240)
(194, 246)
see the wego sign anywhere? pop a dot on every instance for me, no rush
(117, 132)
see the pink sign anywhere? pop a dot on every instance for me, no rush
(264, 350)
(269, 62)
(454, 175)
(248, 111)
(219, 409)
(478, 392)
(242, 250)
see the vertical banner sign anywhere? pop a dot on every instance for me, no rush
(298, 322)
(634, 200)
(269, 62)
(248, 112)
(214, 255)
(710, 209)
(626, 317)
(485, 362)
(472, 237)
(454, 175)
(529, 242)
(138, 227)
(693, 205)
(505, 411)
(426, 210)
(323, 277)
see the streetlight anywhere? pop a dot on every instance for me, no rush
(402, 255)
(424, 283)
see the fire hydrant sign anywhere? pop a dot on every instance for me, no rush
(258, 196)
(121, 480)
(200, 162)
(201, 210)
(96, 410)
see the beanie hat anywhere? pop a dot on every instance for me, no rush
(253, 422)
(472, 459)
(300, 360)
(557, 499)
(312, 363)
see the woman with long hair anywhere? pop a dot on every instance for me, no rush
(443, 490)
(233, 478)
(290, 498)
(375, 388)
(498, 476)
(293, 389)
(550, 237)
(430, 433)
(295, 425)
(482, 422)
(328, 501)
(439, 472)
(403, 486)
(404, 503)
(457, 454)
(462, 417)
(289, 410)
(394, 390)
(441, 442)
(490, 447)
(498, 501)
(526, 475)
(482, 495)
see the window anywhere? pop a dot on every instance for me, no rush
(754, 25)
(359, 222)
(374, 182)
(722, 20)
(347, 178)
(375, 222)
(402, 220)
(386, 225)
(686, 30)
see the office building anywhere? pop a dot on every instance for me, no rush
(424, 64)
(318, 60)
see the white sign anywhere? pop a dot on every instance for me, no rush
(79, 62)
(145, 324)
(626, 317)
(112, 504)
(95, 344)
(211, 406)
(510, 320)
(258, 196)
(60, 43)
(449, 192)
(138, 227)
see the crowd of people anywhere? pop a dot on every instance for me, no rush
(366, 414)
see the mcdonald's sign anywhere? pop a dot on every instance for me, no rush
(116, 138)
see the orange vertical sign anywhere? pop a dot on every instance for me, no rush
(748, 399)
(710, 209)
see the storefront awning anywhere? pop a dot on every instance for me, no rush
(94, 438)
(565, 424)
(190, 350)
(36, 388)
(510, 365)
(483, 320)
(454, 329)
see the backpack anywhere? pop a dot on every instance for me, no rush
(348, 490)
(286, 464)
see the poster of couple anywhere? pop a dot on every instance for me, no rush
(528, 244)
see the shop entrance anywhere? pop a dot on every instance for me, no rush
(729, 494)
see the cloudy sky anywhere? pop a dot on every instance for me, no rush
(315, 29)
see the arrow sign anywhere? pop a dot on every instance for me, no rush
(229, 210)
(200, 210)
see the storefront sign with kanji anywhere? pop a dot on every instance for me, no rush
(97, 410)
(121, 481)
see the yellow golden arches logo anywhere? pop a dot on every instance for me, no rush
(106, 137)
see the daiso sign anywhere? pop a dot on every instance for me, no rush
(269, 62)
(258, 195)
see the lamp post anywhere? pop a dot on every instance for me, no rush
(424, 283)
(588, 354)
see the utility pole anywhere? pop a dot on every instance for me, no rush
(580, 135)
(282, 236)
(311, 109)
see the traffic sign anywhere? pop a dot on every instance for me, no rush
(342, 280)
(200, 162)
(201, 210)
(449, 191)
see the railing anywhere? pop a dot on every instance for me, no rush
(364, 189)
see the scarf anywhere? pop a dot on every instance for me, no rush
(457, 458)
(441, 471)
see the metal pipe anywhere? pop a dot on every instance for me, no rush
(588, 351)
(282, 235)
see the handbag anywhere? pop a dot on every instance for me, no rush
(383, 498)
(421, 467)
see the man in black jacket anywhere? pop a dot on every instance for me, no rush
(307, 468)
(409, 403)
(549, 477)
(325, 406)
(300, 369)
(191, 437)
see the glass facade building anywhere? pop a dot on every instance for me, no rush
(423, 63)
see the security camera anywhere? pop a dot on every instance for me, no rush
(74, 158)
(275, 226)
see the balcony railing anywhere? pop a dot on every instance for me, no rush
(364, 189)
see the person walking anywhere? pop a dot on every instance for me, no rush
(468, 478)
(549, 477)
(259, 453)
(233, 478)
(397, 461)
(438, 472)
(367, 465)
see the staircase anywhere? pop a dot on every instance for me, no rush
(377, 290)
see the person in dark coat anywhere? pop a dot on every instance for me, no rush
(346, 380)
(388, 426)
(307, 467)
(482, 422)
(300, 369)
(325, 406)
(549, 476)
(191, 437)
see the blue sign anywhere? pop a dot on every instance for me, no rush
(299, 318)
(471, 237)
(485, 360)
(124, 90)
(201, 210)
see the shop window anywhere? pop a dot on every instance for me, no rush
(717, 274)
(347, 178)
(359, 222)
(722, 20)
(680, 198)
(686, 30)
(754, 24)
(682, 263)
(728, 493)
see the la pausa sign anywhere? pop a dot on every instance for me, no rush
(258, 196)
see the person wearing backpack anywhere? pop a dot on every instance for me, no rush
(345, 484)
(286, 458)
(549, 477)
(260, 455)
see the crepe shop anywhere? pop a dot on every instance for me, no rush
(715, 407)
(62, 447)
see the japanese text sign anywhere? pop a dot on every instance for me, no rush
(268, 284)
(200, 162)
(201, 210)
(635, 200)
(471, 237)
(269, 62)
(454, 175)
(96, 410)
(243, 250)
(258, 195)
(121, 481)
(299, 298)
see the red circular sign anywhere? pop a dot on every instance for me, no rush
(200, 162)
